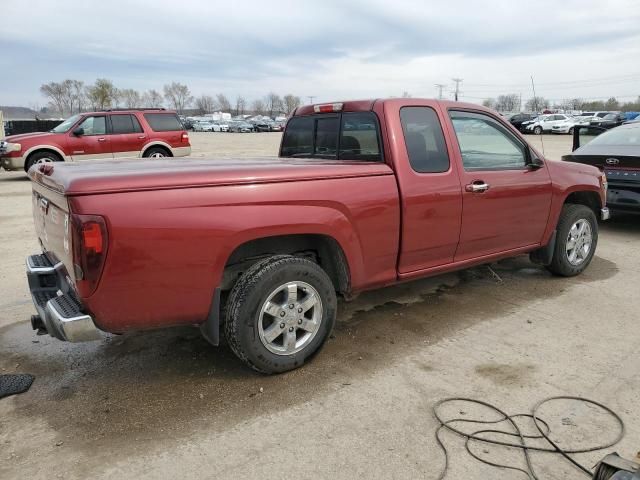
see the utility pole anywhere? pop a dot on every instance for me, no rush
(310, 97)
(457, 90)
(440, 86)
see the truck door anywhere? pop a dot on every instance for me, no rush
(430, 190)
(505, 201)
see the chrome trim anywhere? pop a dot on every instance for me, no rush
(605, 214)
(74, 329)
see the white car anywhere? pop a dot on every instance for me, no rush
(223, 126)
(545, 123)
(567, 125)
(206, 127)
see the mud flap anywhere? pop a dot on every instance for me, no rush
(211, 327)
(544, 255)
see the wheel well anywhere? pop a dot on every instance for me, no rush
(160, 147)
(40, 150)
(586, 198)
(322, 249)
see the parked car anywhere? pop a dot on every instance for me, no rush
(204, 126)
(261, 125)
(100, 135)
(519, 118)
(610, 120)
(567, 125)
(262, 247)
(545, 123)
(240, 127)
(277, 126)
(617, 152)
(224, 127)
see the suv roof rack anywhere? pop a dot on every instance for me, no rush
(129, 109)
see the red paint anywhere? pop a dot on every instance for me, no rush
(172, 226)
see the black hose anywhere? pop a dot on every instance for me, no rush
(542, 427)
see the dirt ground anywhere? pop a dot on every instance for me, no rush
(168, 405)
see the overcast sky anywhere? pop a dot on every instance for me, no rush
(329, 49)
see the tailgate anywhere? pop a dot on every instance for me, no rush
(52, 224)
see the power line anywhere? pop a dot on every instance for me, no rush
(311, 97)
(457, 91)
(440, 86)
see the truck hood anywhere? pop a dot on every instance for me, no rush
(28, 136)
(91, 177)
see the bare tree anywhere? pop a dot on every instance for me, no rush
(178, 96)
(78, 96)
(241, 105)
(257, 106)
(489, 103)
(290, 103)
(508, 103)
(102, 94)
(205, 104)
(55, 93)
(536, 104)
(130, 98)
(152, 99)
(273, 104)
(223, 103)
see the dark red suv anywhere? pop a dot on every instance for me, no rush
(100, 135)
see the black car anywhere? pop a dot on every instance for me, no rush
(617, 152)
(610, 120)
(517, 119)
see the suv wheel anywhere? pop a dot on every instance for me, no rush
(571, 131)
(537, 130)
(279, 313)
(156, 152)
(576, 240)
(41, 157)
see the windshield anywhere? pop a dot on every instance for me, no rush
(619, 136)
(66, 125)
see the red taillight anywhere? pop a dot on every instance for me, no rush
(185, 137)
(328, 108)
(90, 243)
(92, 237)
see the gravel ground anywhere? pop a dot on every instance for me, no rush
(167, 405)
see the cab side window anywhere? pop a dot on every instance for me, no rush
(485, 144)
(424, 139)
(94, 126)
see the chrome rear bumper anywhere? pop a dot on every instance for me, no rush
(59, 312)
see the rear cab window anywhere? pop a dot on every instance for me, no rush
(163, 122)
(424, 140)
(343, 136)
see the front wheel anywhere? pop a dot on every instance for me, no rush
(537, 130)
(279, 313)
(576, 240)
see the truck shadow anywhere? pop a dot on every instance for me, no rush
(170, 383)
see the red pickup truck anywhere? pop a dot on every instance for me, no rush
(364, 194)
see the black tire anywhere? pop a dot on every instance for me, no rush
(537, 130)
(243, 311)
(570, 215)
(571, 131)
(41, 157)
(156, 152)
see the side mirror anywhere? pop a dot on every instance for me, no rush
(534, 162)
(78, 132)
(583, 135)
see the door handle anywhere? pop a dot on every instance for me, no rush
(141, 137)
(101, 139)
(477, 186)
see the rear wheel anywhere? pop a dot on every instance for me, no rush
(41, 157)
(576, 240)
(279, 313)
(571, 131)
(156, 152)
